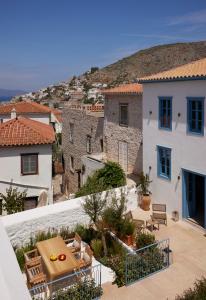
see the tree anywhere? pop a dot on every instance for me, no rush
(13, 200)
(94, 206)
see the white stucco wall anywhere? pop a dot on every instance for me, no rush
(44, 118)
(12, 285)
(91, 165)
(21, 226)
(188, 151)
(10, 170)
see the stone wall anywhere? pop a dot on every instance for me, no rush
(84, 124)
(113, 132)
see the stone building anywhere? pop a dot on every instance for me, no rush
(123, 126)
(82, 135)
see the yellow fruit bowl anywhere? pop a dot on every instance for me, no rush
(53, 257)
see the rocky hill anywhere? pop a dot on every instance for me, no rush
(149, 61)
(87, 87)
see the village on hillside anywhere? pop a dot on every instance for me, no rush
(103, 187)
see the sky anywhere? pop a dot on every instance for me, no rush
(46, 41)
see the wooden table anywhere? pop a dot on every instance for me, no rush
(57, 269)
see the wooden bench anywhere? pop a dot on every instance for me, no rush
(159, 213)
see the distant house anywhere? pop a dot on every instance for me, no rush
(174, 143)
(34, 111)
(123, 126)
(82, 137)
(26, 159)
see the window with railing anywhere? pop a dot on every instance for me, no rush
(165, 113)
(164, 162)
(195, 115)
(123, 114)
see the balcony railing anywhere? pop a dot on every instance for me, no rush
(147, 261)
(81, 285)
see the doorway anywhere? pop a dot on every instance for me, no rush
(194, 197)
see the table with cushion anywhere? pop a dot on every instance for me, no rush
(57, 269)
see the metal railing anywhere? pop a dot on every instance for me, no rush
(147, 261)
(81, 285)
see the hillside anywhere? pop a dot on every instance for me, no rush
(149, 61)
(87, 87)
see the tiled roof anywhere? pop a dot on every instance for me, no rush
(58, 114)
(22, 132)
(131, 88)
(25, 107)
(193, 70)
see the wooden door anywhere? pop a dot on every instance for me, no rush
(123, 155)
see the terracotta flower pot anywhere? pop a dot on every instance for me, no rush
(145, 202)
(129, 240)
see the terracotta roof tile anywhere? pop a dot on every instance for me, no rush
(25, 107)
(131, 88)
(22, 132)
(193, 70)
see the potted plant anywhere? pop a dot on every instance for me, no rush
(145, 193)
(128, 232)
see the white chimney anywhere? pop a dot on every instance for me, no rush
(13, 113)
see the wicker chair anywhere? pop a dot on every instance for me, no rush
(85, 260)
(32, 258)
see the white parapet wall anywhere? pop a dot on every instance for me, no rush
(12, 285)
(22, 226)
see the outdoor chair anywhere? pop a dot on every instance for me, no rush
(159, 213)
(139, 224)
(30, 255)
(85, 260)
(32, 258)
(74, 244)
(35, 275)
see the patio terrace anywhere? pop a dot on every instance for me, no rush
(188, 244)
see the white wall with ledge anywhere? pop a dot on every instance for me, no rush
(12, 285)
(44, 118)
(10, 171)
(21, 226)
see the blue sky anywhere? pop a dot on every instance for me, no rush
(46, 41)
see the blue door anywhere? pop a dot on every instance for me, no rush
(194, 197)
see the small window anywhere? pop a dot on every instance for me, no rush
(123, 115)
(102, 145)
(164, 162)
(29, 164)
(165, 112)
(89, 144)
(71, 132)
(71, 163)
(195, 115)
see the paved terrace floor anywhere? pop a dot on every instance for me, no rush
(189, 263)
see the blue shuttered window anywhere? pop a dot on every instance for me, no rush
(195, 115)
(164, 162)
(165, 112)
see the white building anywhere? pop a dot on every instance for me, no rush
(34, 111)
(174, 139)
(26, 159)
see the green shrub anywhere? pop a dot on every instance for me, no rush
(144, 239)
(111, 176)
(87, 234)
(83, 290)
(128, 228)
(97, 247)
(197, 293)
